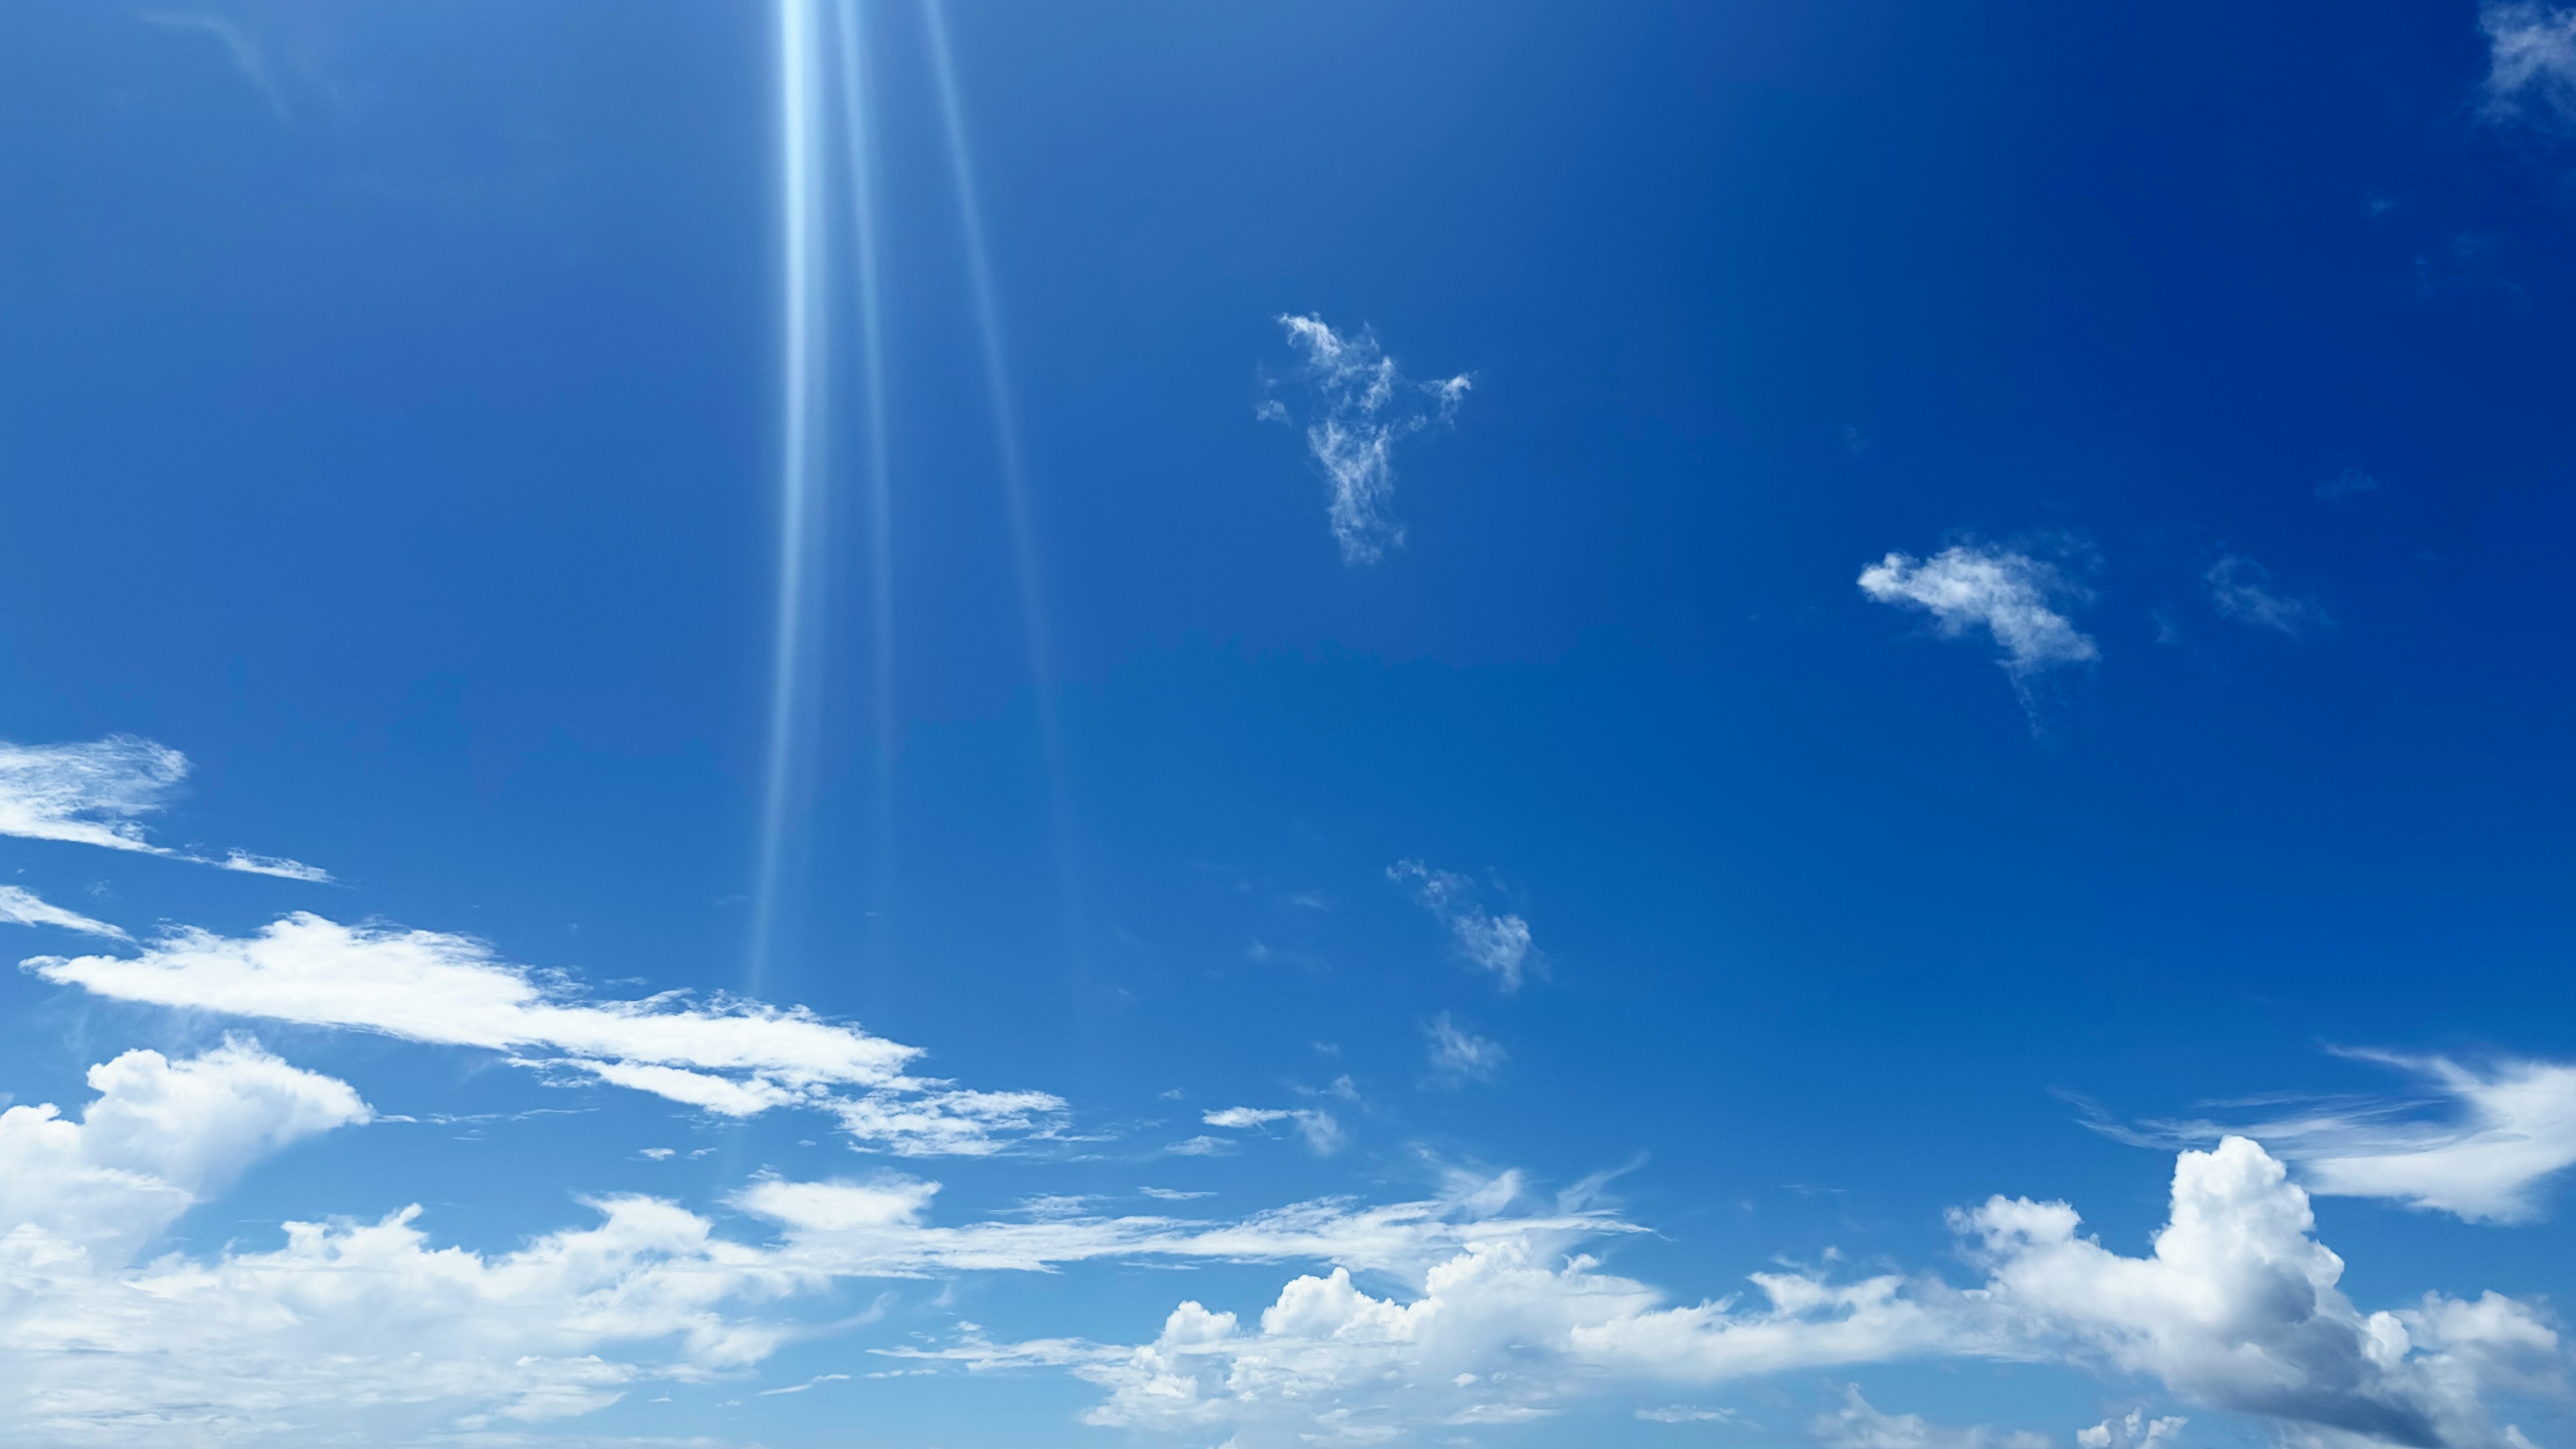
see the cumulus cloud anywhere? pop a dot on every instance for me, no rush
(21, 907)
(159, 1136)
(1500, 944)
(2133, 1430)
(2236, 1307)
(2012, 596)
(1459, 1055)
(2241, 589)
(93, 794)
(1858, 1424)
(1359, 406)
(731, 1057)
(1322, 1133)
(2531, 53)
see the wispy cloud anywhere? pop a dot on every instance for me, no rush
(2531, 53)
(1359, 405)
(2482, 1146)
(1859, 1424)
(2241, 589)
(245, 52)
(1497, 943)
(2013, 596)
(1459, 1055)
(733, 1057)
(22, 907)
(94, 794)
(1323, 1134)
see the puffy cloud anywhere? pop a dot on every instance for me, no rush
(2531, 51)
(21, 907)
(1859, 1424)
(93, 794)
(2241, 589)
(1459, 1055)
(2236, 1307)
(1500, 944)
(1323, 1134)
(159, 1136)
(2133, 1430)
(732, 1057)
(2010, 595)
(1362, 405)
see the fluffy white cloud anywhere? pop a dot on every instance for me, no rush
(1500, 944)
(1459, 1055)
(1361, 406)
(93, 794)
(2235, 1307)
(2241, 589)
(22, 907)
(2010, 595)
(2133, 1430)
(732, 1057)
(160, 1135)
(2531, 50)
(1858, 1424)
(1322, 1132)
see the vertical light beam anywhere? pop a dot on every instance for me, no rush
(1006, 443)
(801, 359)
(860, 153)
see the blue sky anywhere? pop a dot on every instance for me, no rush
(1744, 724)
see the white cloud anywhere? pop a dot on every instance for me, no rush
(92, 794)
(1500, 944)
(2010, 595)
(2133, 1430)
(2241, 589)
(1361, 406)
(2505, 1133)
(22, 907)
(2236, 1307)
(2531, 51)
(160, 1136)
(1685, 1414)
(1323, 1134)
(1859, 1424)
(733, 1057)
(1458, 1055)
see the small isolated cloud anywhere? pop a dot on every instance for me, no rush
(93, 794)
(1322, 1133)
(2133, 1430)
(2531, 55)
(1500, 944)
(732, 1057)
(21, 907)
(1685, 1414)
(2350, 483)
(1859, 1424)
(2241, 589)
(1459, 1056)
(2012, 596)
(1359, 406)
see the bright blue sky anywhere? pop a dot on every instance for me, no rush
(1930, 611)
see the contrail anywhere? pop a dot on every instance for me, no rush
(800, 457)
(1006, 442)
(860, 144)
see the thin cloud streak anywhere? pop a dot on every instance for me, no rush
(22, 907)
(1361, 406)
(95, 793)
